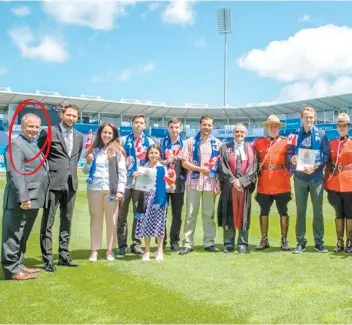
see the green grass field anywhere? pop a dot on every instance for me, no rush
(260, 287)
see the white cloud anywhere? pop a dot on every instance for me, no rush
(179, 12)
(309, 54)
(200, 42)
(320, 88)
(43, 47)
(100, 15)
(21, 11)
(125, 74)
(302, 90)
(3, 71)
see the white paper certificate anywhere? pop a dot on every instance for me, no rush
(146, 181)
(306, 158)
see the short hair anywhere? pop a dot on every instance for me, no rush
(174, 121)
(139, 116)
(205, 117)
(308, 109)
(239, 124)
(71, 106)
(27, 117)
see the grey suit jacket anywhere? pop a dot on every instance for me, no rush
(61, 165)
(20, 187)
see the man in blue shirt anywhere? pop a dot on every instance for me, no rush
(309, 179)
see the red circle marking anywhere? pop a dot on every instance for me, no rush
(47, 143)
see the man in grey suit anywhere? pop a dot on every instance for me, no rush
(65, 152)
(23, 197)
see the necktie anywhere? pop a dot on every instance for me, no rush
(68, 141)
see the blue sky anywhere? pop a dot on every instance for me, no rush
(171, 51)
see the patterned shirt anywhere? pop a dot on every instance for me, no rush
(203, 183)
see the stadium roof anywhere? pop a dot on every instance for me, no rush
(126, 107)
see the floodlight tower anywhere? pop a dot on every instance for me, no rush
(224, 27)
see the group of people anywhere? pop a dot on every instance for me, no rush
(191, 172)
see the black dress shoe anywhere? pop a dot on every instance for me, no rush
(174, 247)
(137, 250)
(67, 262)
(185, 250)
(49, 267)
(243, 249)
(212, 249)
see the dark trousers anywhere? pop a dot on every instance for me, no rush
(316, 191)
(122, 231)
(17, 225)
(176, 200)
(66, 199)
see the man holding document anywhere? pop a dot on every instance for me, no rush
(308, 152)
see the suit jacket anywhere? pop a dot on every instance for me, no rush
(20, 187)
(61, 165)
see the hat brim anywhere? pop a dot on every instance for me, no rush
(280, 124)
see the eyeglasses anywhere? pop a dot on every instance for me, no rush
(345, 125)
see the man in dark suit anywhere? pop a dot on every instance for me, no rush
(23, 197)
(65, 152)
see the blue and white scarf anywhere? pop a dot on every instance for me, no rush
(160, 198)
(167, 144)
(315, 141)
(113, 173)
(132, 161)
(196, 155)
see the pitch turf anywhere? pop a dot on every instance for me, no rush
(261, 287)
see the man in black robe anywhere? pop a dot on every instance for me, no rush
(237, 175)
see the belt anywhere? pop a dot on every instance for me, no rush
(340, 167)
(272, 167)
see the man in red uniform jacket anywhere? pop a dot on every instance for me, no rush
(273, 180)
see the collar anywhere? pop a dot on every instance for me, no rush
(63, 129)
(176, 142)
(238, 145)
(273, 138)
(309, 131)
(344, 137)
(29, 140)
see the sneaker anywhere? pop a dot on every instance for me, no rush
(320, 249)
(121, 253)
(299, 249)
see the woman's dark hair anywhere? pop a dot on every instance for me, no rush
(153, 146)
(115, 141)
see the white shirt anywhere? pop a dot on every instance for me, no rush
(239, 150)
(101, 175)
(68, 136)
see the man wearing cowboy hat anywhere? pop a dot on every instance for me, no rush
(309, 179)
(273, 180)
(338, 176)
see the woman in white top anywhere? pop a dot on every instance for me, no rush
(106, 166)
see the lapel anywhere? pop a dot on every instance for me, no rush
(62, 140)
(35, 151)
(75, 142)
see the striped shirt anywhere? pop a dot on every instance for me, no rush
(203, 183)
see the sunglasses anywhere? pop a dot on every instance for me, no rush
(344, 125)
